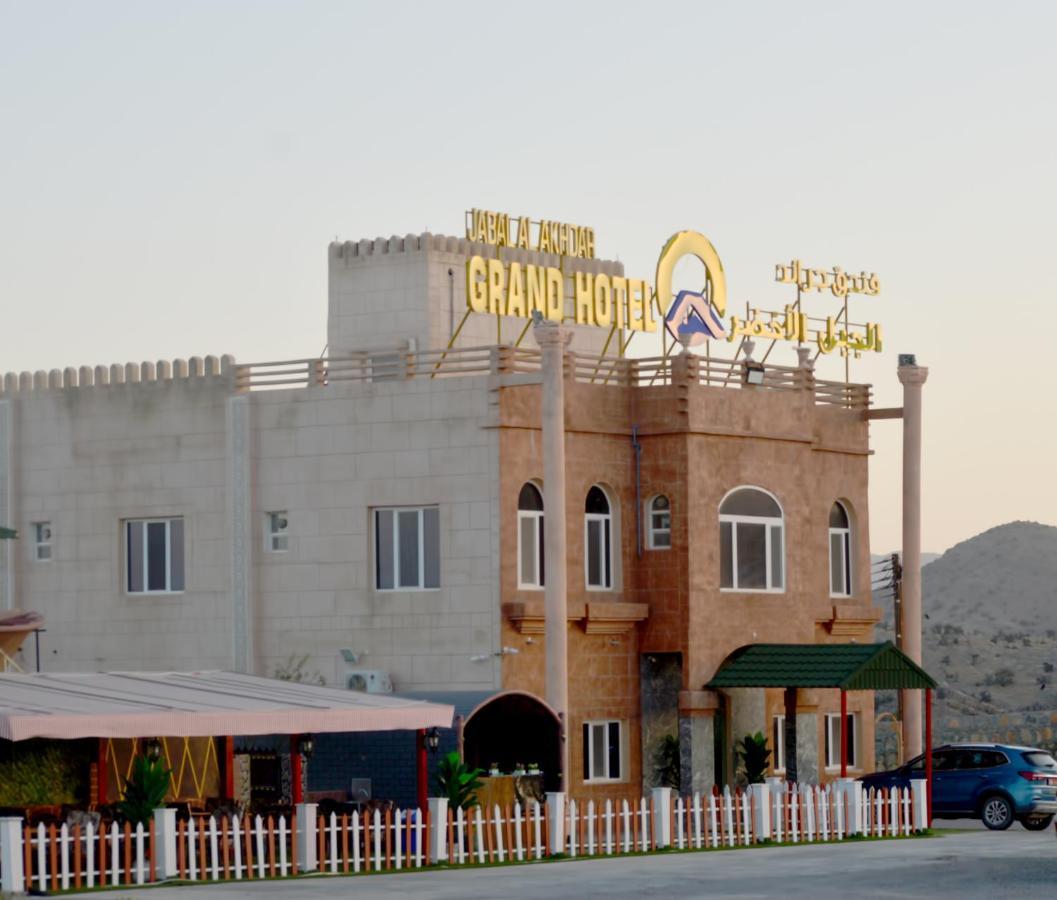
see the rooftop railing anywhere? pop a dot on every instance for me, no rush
(399, 365)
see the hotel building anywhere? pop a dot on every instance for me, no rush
(381, 510)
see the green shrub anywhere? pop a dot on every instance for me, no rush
(753, 755)
(145, 790)
(40, 775)
(458, 782)
(667, 762)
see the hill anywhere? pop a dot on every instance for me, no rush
(991, 635)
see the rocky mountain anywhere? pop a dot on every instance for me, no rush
(990, 606)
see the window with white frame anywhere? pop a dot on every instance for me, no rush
(778, 743)
(154, 556)
(603, 750)
(833, 740)
(530, 537)
(598, 540)
(42, 541)
(278, 532)
(839, 551)
(660, 523)
(751, 542)
(407, 548)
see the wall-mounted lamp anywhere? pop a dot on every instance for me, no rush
(432, 740)
(152, 749)
(753, 372)
(306, 746)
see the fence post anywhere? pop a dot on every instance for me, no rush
(662, 817)
(165, 843)
(848, 793)
(307, 820)
(438, 829)
(556, 822)
(12, 874)
(761, 823)
(919, 795)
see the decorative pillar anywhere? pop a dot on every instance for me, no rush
(240, 524)
(662, 816)
(912, 377)
(552, 339)
(297, 788)
(307, 836)
(556, 822)
(438, 829)
(843, 733)
(12, 873)
(790, 735)
(165, 842)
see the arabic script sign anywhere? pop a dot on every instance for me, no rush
(835, 280)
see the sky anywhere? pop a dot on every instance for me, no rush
(171, 175)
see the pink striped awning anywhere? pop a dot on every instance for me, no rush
(195, 704)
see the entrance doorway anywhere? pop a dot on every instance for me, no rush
(510, 728)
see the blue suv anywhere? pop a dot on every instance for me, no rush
(996, 783)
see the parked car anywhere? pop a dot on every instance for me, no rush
(996, 783)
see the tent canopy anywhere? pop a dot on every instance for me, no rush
(195, 704)
(850, 667)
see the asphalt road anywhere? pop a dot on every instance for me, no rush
(961, 863)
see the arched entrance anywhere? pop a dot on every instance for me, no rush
(514, 727)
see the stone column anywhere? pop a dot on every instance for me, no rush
(244, 622)
(697, 748)
(7, 506)
(552, 339)
(912, 376)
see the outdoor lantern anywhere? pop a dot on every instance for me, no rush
(306, 746)
(753, 372)
(152, 749)
(432, 740)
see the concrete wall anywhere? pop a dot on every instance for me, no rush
(88, 457)
(385, 292)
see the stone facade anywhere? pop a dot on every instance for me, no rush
(88, 449)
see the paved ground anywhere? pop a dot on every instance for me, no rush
(961, 863)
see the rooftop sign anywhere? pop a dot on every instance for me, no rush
(511, 288)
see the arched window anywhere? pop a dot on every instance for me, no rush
(598, 538)
(751, 542)
(659, 523)
(839, 551)
(530, 537)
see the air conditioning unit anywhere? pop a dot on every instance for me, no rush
(369, 681)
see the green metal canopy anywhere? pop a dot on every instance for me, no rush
(850, 667)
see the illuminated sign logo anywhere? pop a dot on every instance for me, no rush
(692, 317)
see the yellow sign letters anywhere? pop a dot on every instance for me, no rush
(550, 237)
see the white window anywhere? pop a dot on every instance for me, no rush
(778, 743)
(42, 541)
(278, 525)
(603, 751)
(154, 556)
(839, 551)
(407, 548)
(660, 523)
(530, 537)
(598, 540)
(833, 740)
(751, 542)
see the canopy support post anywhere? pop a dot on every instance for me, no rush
(843, 733)
(296, 790)
(790, 734)
(928, 754)
(421, 769)
(229, 767)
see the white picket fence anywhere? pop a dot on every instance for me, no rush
(219, 848)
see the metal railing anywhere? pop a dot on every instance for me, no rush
(397, 365)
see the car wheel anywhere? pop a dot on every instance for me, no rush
(997, 813)
(1036, 823)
